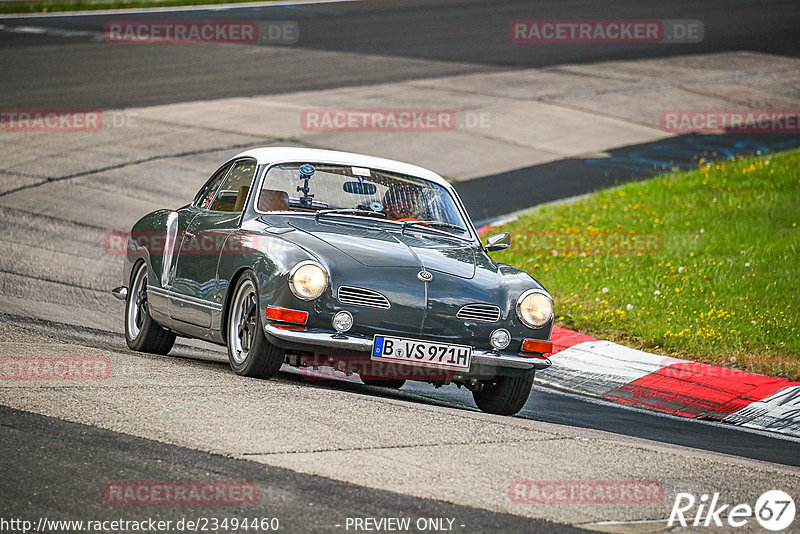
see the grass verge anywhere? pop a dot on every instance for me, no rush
(702, 264)
(91, 5)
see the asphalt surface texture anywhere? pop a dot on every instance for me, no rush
(77, 474)
(321, 450)
(347, 44)
(545, 404)
(58, 466)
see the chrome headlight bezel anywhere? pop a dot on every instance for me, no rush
(527, 294)
(500, 346)
(301, 295)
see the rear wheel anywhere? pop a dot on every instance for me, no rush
(504, 395)
(249, 351)
(142, 333)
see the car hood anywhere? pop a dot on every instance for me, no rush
(377, 247)
(376, 257)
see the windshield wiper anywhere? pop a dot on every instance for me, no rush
(364, 213)
(439, 224)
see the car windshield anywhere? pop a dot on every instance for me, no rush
(313, 187)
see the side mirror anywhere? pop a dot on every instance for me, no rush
(498, 242)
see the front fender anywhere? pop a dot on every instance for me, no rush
(516, 282)
(270, 257)
(152, 239)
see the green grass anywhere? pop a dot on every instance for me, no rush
(47, 6)
(721, 285)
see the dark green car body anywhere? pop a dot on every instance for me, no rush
(195, 256)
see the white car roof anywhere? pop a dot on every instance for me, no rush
(271, 155)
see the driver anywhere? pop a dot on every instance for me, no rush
(403, 202)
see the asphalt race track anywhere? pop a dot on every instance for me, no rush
(349, 44)
(319, 450)
(57, 469)
(99, 454)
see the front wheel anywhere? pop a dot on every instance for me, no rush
(249, 351)
(504, 395)
(141, 331)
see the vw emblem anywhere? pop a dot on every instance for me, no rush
(425, 276)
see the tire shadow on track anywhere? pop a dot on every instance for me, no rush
(544, 405)
(210, 358)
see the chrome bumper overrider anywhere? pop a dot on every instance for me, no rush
(360, 344)
(120, 292)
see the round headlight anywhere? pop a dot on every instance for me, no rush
(308, 280)
(535, 308)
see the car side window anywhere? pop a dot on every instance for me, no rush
(233, 192)
(206, 194)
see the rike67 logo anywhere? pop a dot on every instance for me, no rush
(774, 510)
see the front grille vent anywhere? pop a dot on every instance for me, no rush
(480, 312)
(358, 296)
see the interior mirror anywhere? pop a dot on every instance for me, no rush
(360, 188)
(498, 242)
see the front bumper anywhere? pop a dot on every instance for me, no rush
(485, 363)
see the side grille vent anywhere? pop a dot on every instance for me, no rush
(480, 312)
(358, 296)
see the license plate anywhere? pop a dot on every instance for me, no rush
(424, 353)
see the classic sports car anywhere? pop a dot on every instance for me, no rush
(320, 258)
